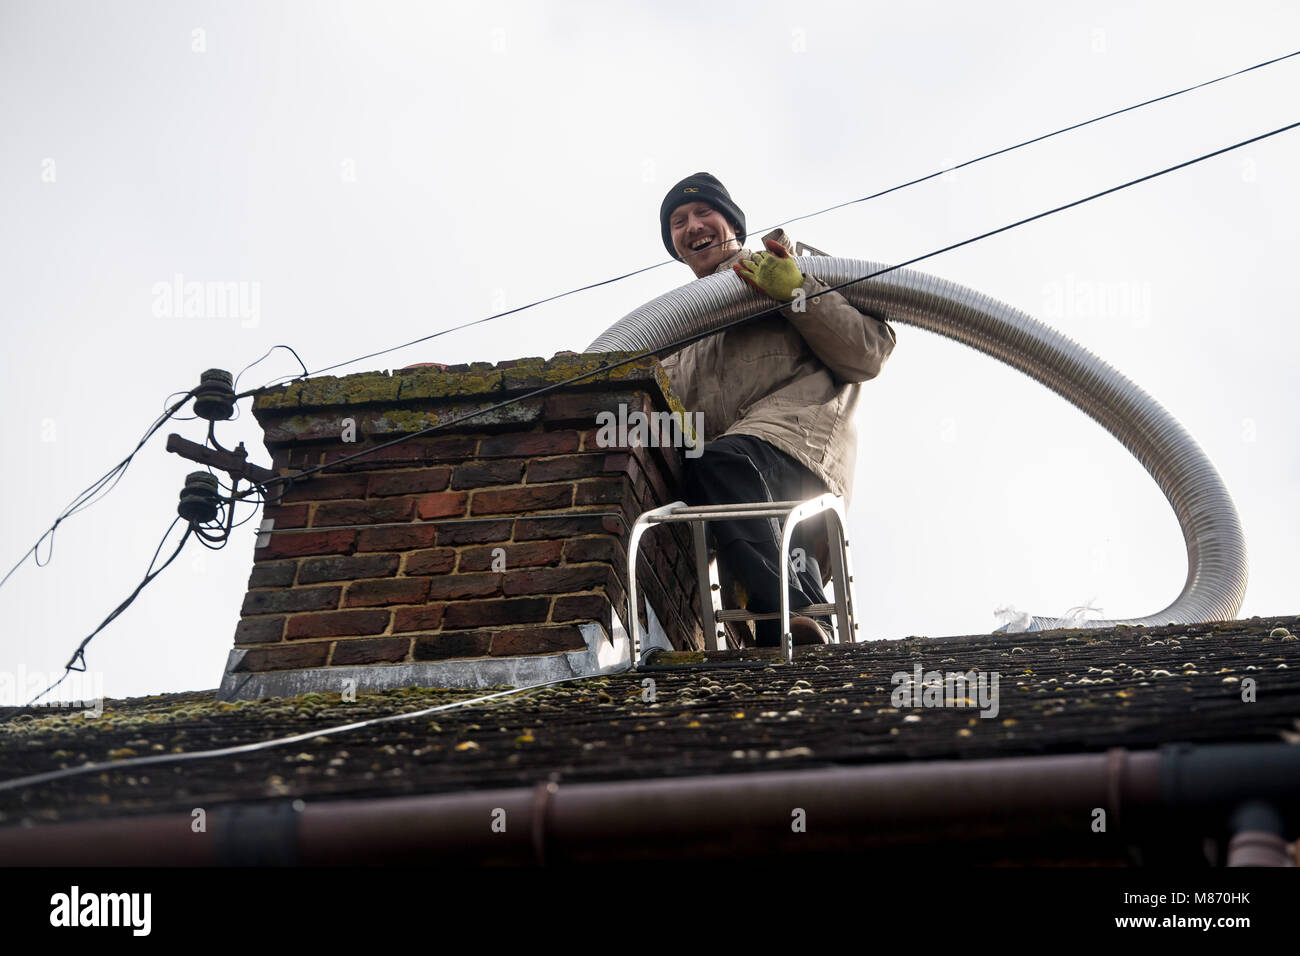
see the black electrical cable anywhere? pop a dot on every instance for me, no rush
(236, 496)
(80, 653)
(178, 418)
(252, 513)
(87, 496)
(674, 346)
(786, 222)
(235, 386)
(83, 501)
(1037, 139)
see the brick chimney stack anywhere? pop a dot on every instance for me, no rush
(492, 552)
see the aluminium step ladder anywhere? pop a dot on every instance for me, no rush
(791, 513)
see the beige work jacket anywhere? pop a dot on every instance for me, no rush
(790, 378)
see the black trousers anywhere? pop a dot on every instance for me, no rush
(742, 468)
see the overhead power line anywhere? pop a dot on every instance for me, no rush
(79, 655)
(876, 195)
(680, 343)
(101, 487)
(87, 497)
(84, 499)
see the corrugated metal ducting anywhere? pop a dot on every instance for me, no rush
(1216, 548)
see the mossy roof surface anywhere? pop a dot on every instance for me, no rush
(1064, 691)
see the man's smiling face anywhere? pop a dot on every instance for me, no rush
(702, 237)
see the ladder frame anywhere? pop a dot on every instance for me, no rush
(793, 513)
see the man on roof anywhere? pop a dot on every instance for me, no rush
(777, 393)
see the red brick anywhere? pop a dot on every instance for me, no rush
(272, 574)
(518, 500)
(348, 569)
(645, 499)
(287, 657)
(435, 449)
(536, 640)
(634, 472)
(432, 561)
(485, 613)
(287, 600)
(529, 554)
(398, 456)
(375, 650)
(363, 512)
(583, 407)
(600, 491)
(451, 448)
(581, 607)
(412, 482)
(530, 529)
(337, 624)
(565, 468)
(286, 516)
(529, 445)
(653, 475)
(627, 506)
(456, 587)
(597, 548)
(448, 504)
(618, 600)
(294, 544)
(684, 570)
(647, 478)
(384, 591)
(426, 618)
(477, 474)
(555, 580)
(650, 589)
(303, 456)
(256, 630)
(279, 429)
(474, 532)
(397, 539)
(620, 576)
(667, 460)
(662, 464)
(618, 461)
(437, 647)
(324, 487)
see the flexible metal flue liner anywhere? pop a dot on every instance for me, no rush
(1216, 547)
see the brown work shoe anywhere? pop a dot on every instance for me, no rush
(805, 630)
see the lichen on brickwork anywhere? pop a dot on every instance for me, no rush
(531, 373)
(288, 396)
(674, 400)
(400, 421)
(393, 421)
(358, 389)
(432, 383)
(436, 383)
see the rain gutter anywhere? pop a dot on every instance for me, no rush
(1250, 791)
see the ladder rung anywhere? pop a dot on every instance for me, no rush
(700, 509)
(767, 511)
(812, 610)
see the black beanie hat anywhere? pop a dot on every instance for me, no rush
(700, 188)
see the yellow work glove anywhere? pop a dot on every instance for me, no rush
(772, 273)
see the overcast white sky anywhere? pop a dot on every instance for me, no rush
(385, 170)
